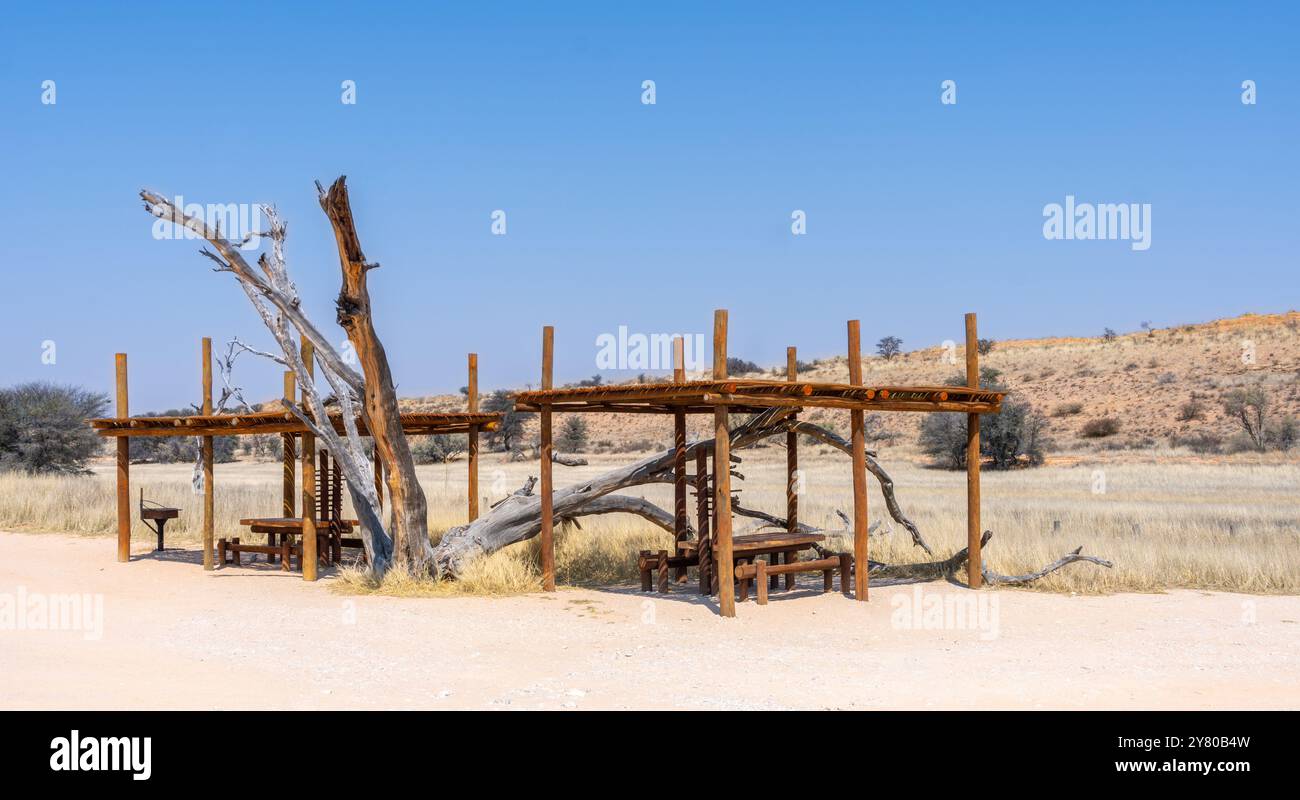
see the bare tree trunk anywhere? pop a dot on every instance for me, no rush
(409, 525)
(275, 298)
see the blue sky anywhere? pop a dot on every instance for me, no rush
(648, 216)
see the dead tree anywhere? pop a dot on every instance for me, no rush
(275, 298)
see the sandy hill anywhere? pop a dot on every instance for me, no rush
(1144, 380)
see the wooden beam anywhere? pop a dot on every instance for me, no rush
(547, 535)
(974, 574)
(859, 446)
(472, 436)
(680, 523)
(722, 475)
(123, 467)
(791, 463)
(287, 456)
(308, 560)
(209, 491)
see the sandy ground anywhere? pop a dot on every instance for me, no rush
(174, 637)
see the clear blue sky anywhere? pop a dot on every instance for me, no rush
(621, 213)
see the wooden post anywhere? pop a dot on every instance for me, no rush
(547, 535)
(680, 523)
(859, 468)
(704, 548)
(791, 465)
(287, 457)
(208, 490)
(308, 560)
(472, 407)
(974, 573)
(722, 475)
(123, 468)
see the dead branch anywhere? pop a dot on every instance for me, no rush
(886, 482)
(275, 298)
(950, 568)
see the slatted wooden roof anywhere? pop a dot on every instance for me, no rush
(278, 422)
(749, 396)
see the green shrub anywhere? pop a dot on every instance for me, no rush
(43, 428)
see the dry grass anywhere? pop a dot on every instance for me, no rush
(1206, 526)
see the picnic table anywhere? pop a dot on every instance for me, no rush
(329, 534)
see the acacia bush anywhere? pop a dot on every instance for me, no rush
(43, 428)
(439, 448)
(1016, 437)
(1100, 428)
(1019, 441)
(573, 435)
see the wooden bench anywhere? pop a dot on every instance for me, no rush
(744, 549)
(761, 572)
(329, 537)
(233, 547)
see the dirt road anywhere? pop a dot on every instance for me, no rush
(171, 636)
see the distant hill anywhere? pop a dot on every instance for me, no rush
(1143, 379)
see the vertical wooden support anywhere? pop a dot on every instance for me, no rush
(123, 467)
(974, 572)
(547, 535)
(704, 549)
(791, 465)
(859, 468)
(308, 560)
(288, 455)
(680, 523)
(472, 407)
(722, 475)
(209, 491)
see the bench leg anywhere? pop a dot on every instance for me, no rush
(285, 555)
(791, 556)
(643, 566)
(846, 564)
(663, 571)
(743, 594)
(828, 580)
(221, 552)
(761, 582)
(162, 524)
(774, 581)
(239, 557)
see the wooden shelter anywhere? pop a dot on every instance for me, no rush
(713, 550)
(298, 443)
